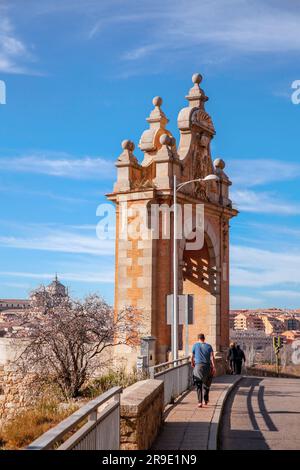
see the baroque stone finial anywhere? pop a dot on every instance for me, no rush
(157, 101)
(197, 78)
(196, 95)
(157, 120)
(165, 139)
(219, 163)
(127, 156)
(128, 145)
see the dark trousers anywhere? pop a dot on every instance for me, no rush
(238, 366)
(202, 391)
(232, 365)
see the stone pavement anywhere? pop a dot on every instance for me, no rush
(262, 413)
(188, 427)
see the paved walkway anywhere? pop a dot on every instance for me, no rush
(188, 427)
(262, 413)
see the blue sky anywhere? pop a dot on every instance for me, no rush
(80, 77)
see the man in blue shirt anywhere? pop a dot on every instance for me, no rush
(203, 362)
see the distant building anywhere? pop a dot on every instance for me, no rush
(8, 304)
(251, 337)
(292, 323)
(291, 336)
(12, 310)
(272, 325)
(245, 321)
(57, 288)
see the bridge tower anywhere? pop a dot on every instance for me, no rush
(143, 265)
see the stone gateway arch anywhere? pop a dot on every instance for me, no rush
(143, 266)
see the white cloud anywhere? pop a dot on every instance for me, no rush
(89, 277)
(244, 301)
(60, 164)
(236, 26)
(18, 285)
(283, 294)
(262, 202)
(215, 27)
(248, 174)
(13, 51)
(42, 194)
(58, 239)
(254, 267)
(255, 172)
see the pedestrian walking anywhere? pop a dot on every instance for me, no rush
(203, 362)
(231, 358)
(240, 357)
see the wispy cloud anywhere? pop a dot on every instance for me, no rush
(282, 294)
(57, 239)
(17, 285)
(262, 202)
(89, 277)
(221, 28)
(14, 53)
(254, 267)
(43, 194)
(256, 172)
(61, 165)
(244, 301)
(235, 26)
(248, 175)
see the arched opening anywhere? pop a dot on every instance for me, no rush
(200, 277)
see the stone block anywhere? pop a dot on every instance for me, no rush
(142, 407)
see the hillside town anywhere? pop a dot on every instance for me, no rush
(254, 330)
(12, 311)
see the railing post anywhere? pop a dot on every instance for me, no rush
(93, 416)
(151, 372)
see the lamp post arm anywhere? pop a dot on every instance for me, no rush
(211, 177)
(179, 186)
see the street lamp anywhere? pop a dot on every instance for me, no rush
(175, 259)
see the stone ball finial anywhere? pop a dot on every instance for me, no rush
(172, 141)
(219, 163)
(197, 78)
(128, 145)
(157, 101)
(165, 139)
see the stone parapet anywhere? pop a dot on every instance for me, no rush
(142, 406)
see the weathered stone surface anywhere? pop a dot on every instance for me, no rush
(142, 407)
(16, 393)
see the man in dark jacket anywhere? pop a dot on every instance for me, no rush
(240, 357)
(231, 358)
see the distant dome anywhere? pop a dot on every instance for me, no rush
(57, 288)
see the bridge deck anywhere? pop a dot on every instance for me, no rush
(262, 413)
(188, 427)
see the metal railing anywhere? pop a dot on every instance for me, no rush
(176, 375)
(100, 427)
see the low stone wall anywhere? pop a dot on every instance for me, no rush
(142, 406)
(262, 372)
(16, 393)
(221, 365)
